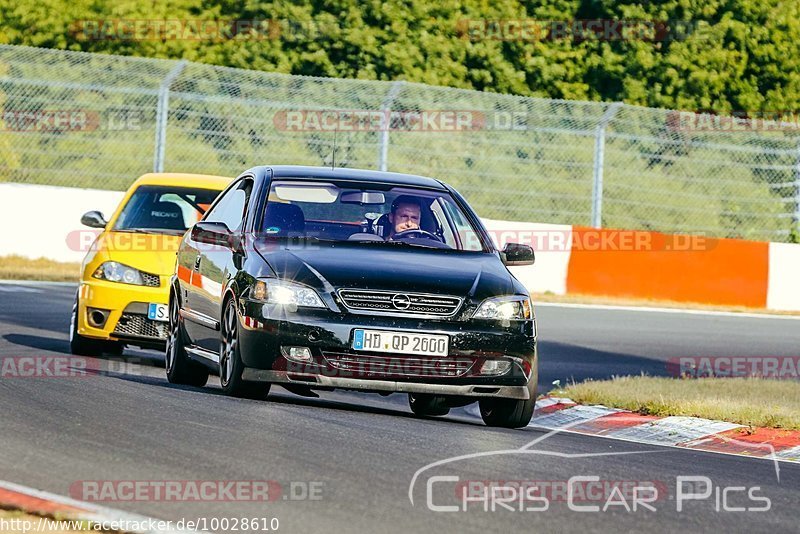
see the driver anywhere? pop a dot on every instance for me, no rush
(405, 215)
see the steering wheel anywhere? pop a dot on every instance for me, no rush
(417, 232)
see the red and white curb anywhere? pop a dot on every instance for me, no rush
(695, 433)
(36, 502)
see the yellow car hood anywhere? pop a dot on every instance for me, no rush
(151, 253)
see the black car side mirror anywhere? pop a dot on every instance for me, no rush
(94, 219)
(515, 254)
(213, 233)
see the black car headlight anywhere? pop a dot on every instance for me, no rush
(281, 292)
(508, 308)
(118, 272)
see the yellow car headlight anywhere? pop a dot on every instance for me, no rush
(118, 272)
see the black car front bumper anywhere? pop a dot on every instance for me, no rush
(265, 329)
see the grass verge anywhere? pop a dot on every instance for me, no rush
(756, 402)
(42, 269)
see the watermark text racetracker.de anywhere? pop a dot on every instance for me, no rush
(177, 491)
(736, 121)
(330, 28)
(775, 367)
(541, 240)
(366, 120)
(82, 240)
(591, 494)
(48, 366)
(596, 240)
(579, 30)
(213, 30)
(60, 121)
(25, 525)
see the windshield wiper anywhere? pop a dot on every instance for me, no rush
(394, 243)
(151, 231)
(298, 239)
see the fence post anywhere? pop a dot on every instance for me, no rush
(599, 160)
(386, 109)
(162, 112)
(794, 233)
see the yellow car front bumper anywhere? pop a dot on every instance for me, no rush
(124, 308)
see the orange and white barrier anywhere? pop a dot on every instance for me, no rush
(783, 287)
(652, 265)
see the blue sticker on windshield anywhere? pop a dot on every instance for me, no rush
(272, 230)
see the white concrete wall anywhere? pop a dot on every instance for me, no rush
(783, 290)
(44, 221)
(551, 243)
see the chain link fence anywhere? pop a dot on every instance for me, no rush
(99, 121)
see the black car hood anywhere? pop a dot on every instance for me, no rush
(371, 266)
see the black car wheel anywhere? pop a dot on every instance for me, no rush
(180, 369)
(509, 413)
(230, 360)
(86, 346)
(424, 405)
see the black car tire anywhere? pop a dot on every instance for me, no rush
(86, 346)
(509, 413)
(230, 360)
(424, 404)
(180, 369)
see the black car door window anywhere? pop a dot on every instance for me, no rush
(232, 206)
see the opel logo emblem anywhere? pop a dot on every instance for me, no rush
(401, 302)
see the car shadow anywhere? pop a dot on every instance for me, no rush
(561, 362)
(131, 376)
(558, 361)
(108, 364)
(286, 398)
(38, 342)
(572, 363)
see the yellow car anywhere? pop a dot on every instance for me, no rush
(124, 291)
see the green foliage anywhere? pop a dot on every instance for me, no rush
(728, 55)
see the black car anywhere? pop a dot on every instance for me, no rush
(318, 279)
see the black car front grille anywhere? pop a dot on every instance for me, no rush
(393, 365)
(398, 303)
(133, 324)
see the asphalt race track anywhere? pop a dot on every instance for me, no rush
(359, 453)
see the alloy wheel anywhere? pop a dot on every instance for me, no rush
(172, 339)
(229, 345)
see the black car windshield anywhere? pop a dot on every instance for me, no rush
(164, 209)
(370, 214)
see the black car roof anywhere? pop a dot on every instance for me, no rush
(340, 173)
